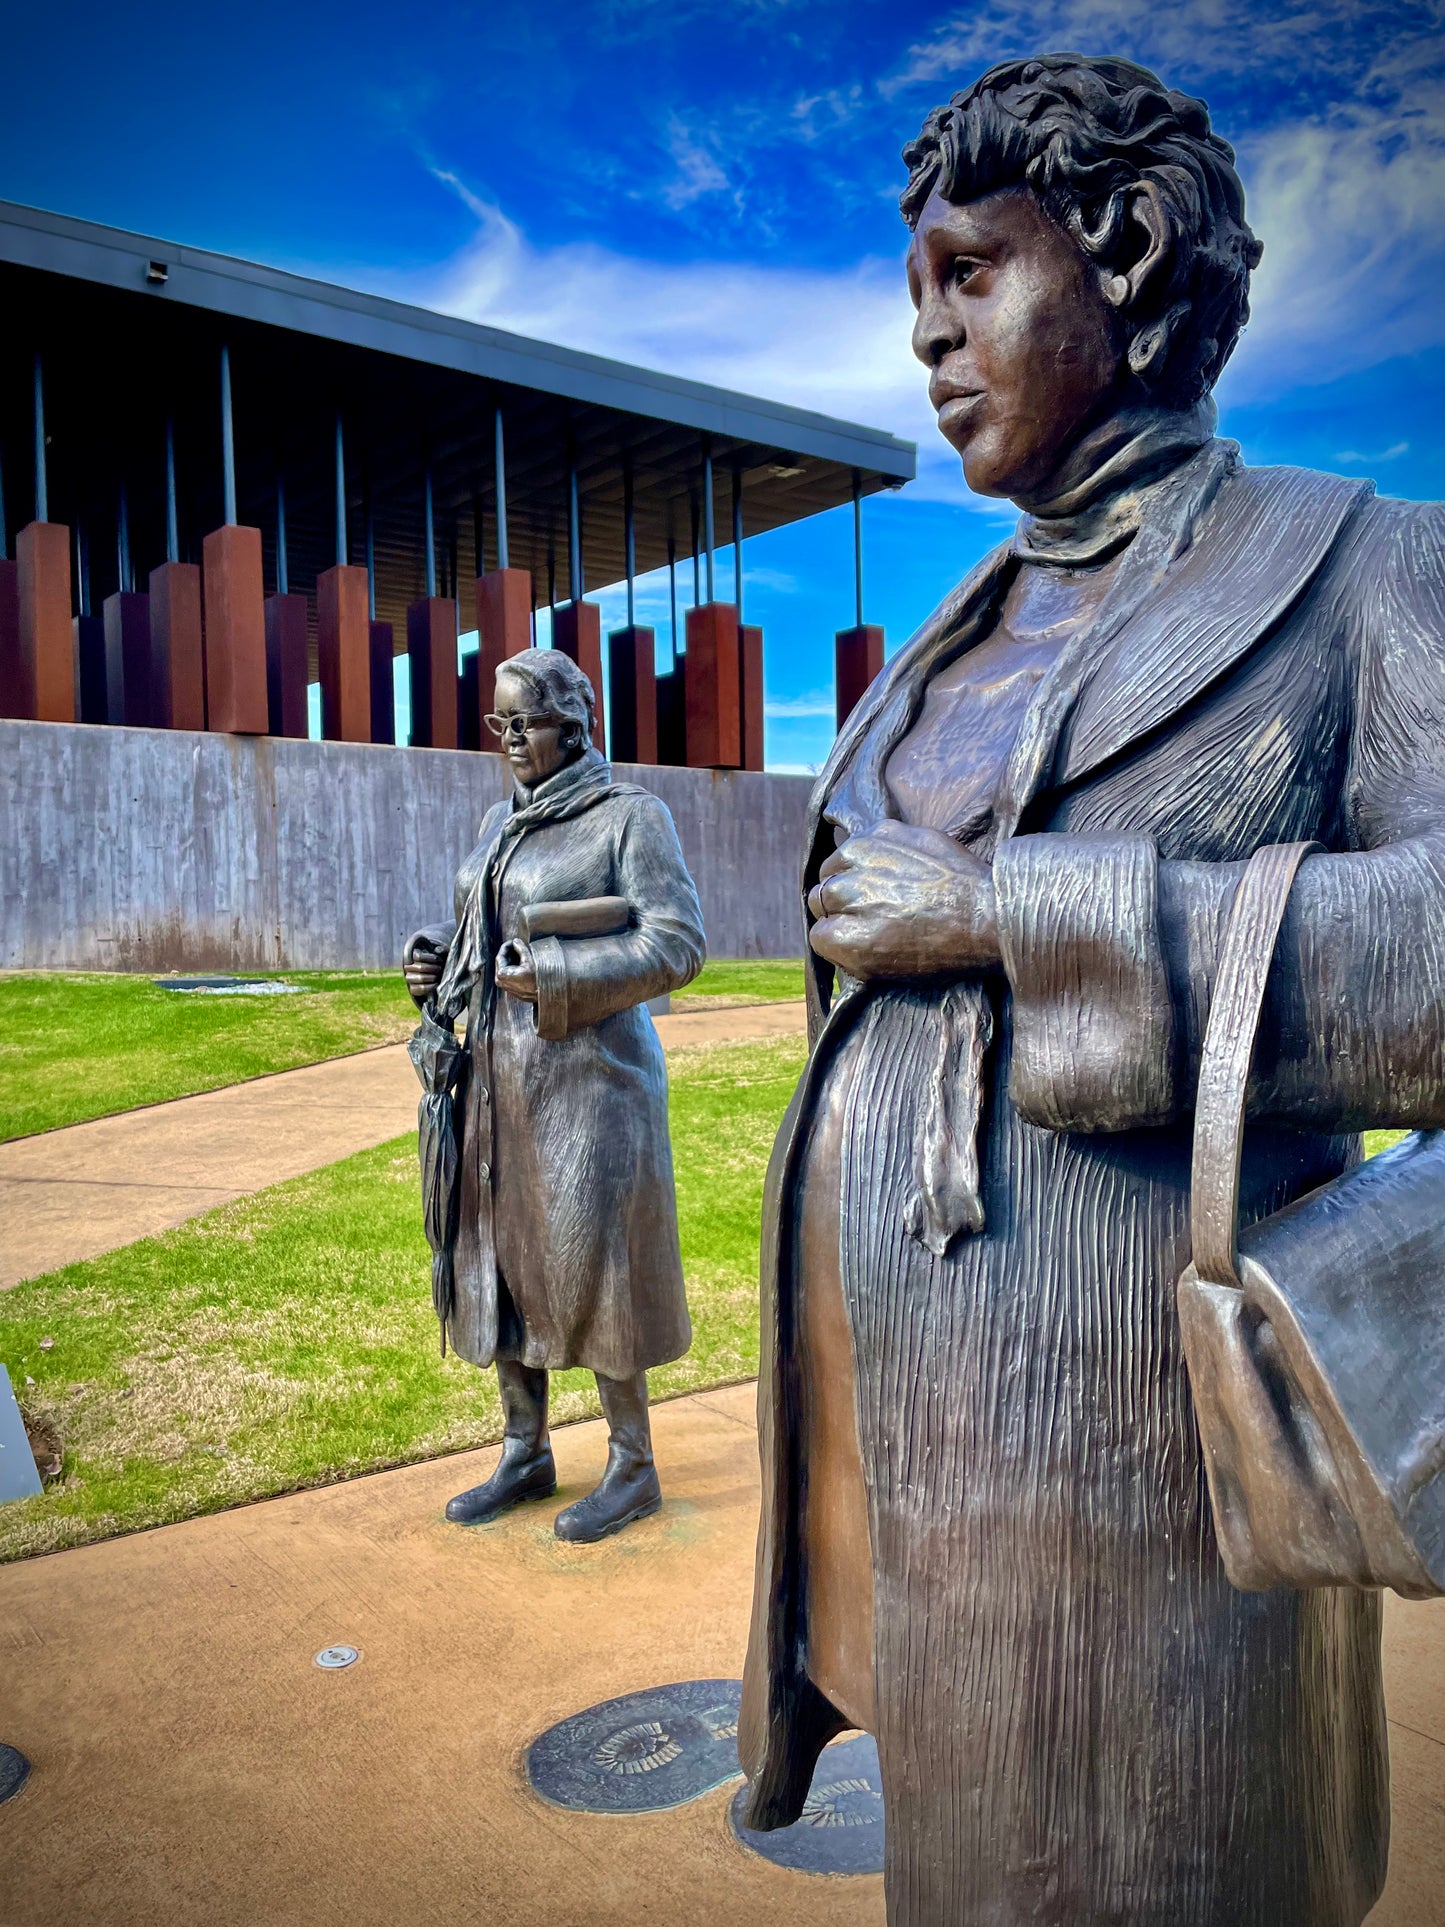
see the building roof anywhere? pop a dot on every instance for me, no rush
(130, 330)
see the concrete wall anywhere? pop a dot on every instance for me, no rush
(152, 849)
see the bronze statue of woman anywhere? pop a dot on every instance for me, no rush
(566, 1248)
(986, 1533)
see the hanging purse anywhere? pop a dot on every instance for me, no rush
(1315, 1338)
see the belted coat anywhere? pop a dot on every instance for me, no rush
(1079, 1720)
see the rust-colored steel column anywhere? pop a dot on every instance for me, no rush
(178, 665)
(577, 632)
(750, 673)
(343, 652)
(504, 622)
(286, 666)
(431, 645)
(858, 658)
(47, 646)
(383, 682)
(632, 676)
(12, 674)
(234, 598)
(713, 689)
(127, 618)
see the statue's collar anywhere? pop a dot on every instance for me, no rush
(590, 771)
(1100, 502)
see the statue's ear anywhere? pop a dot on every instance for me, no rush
(1143, 246)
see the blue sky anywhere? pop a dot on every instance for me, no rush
(712, 190)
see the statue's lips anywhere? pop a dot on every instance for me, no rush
(957, 410)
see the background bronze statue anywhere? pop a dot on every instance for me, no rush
(986, 1531)
(565, 1250)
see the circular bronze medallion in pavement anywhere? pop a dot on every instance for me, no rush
(14, 1772)
(840, 1829)
(642, 1752)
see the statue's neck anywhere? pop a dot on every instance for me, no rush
(1129, 447)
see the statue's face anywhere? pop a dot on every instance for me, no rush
(536, 744)
(1025, 351)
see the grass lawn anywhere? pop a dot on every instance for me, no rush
(288, 1339)
(78, 1046)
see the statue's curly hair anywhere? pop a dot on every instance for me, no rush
(1080, 133)
(555, 683)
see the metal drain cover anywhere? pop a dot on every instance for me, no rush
(332, 1659)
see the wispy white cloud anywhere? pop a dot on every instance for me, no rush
(698, 170)
(812, 703)
(836, 341)
(1355, 458)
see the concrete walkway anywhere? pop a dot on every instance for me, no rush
(194, 1768)
(71, 1194)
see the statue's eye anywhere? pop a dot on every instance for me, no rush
(963, 270)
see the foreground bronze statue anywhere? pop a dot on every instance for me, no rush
(561, 1244)
(987, 1533)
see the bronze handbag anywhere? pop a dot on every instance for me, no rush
(1315, 1339)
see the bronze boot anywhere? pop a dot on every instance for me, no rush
(628, 1489)
(526, 1470)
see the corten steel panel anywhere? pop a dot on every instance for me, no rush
(632, 679)
(47, 645)
(343, 653)
(235, 614)
(12, 674)
(431, 646)
(504, 620)
(286, 708)
(750, 677)
(858, 658)
(178, 663)
(267, 853)
(713, 691)
(577, 632)
(127, 617)
(382, 639)
(91, 696)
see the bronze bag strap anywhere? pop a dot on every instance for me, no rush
(1249, 944)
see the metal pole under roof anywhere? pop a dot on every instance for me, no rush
(431, 538)
(81, 582)
(122, 542)
(343, 553)
(707, 511)
(696, 587)
(173, 520)
(672, 590)
(501, 465)
(574, 532)
(738, 539)
(228, 440)
(551, 573)
(858, 546)
(283, 575)
(42, 493)
(370, 560)
(479, 532)
(629, 533)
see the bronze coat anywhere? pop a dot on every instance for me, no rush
(567, 1250)
(1080, 1720)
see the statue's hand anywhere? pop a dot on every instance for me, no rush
(901, 901)
(421, 967)
(516, 973)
